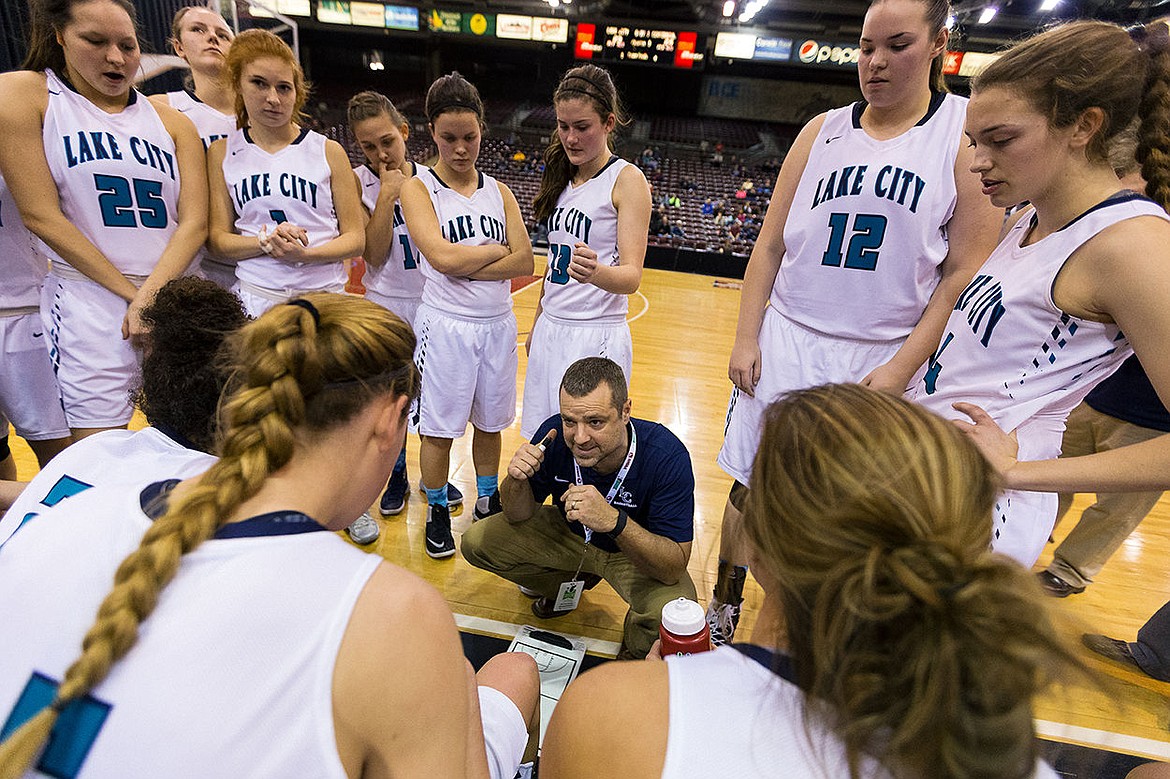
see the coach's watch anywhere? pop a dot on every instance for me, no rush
(619, 527)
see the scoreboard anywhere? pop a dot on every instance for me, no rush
(627, 43)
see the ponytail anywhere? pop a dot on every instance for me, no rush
(291, 374)
(873, 518)
(1154, 134)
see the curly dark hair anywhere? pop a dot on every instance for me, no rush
(182, 377)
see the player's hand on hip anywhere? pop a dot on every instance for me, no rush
(1001, 449)
(529, 458)
(744, 367)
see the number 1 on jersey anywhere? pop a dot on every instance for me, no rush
(409, 261)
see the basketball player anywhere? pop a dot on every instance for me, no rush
(95, 170)
(891, 642)
(473, 239)
(393, 277)
(29, 395)
(261, 644)
(181, 384)
(597, 209)
(201, 37)
(284, 205)
(875, 227)
(1042, 321)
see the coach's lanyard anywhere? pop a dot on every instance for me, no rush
(617, 481)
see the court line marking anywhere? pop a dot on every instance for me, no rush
(1104, 739)
(495, 627)
(631, 320)
(535, 280)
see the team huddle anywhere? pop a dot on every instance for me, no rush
(186, 253)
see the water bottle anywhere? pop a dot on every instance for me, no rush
(684, 629)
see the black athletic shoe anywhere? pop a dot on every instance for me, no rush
(487, 505)
(439, 542)
(394, 498)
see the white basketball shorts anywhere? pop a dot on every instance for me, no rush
(29, 396)
(468, 369)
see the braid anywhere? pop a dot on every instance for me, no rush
(279, 382)
(1154, 145)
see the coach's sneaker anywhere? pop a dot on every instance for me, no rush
(394, 498)
(440, 544)
(454, 495)
(722, 618)
(364, 530)
(487, 505)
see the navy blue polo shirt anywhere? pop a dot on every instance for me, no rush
(658, 493)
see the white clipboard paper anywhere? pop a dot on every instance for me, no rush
(558, 659)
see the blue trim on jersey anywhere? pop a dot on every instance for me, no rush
(658, 492)
(131, 100)
(74, 732)
(300, 136)
(936, 101)
(776, 662)
(153, 500)
(612, 159)
(1123, 196)
(478, 185)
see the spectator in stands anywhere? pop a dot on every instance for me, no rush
(808, 314)
(708, 208)
(673, 200)
(658, 223)
(676, 230)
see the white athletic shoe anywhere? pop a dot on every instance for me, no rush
(364, 530)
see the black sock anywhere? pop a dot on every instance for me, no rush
(729, 583)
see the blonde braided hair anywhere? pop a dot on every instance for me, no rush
(291, 374)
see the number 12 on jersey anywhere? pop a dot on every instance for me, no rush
(866, 236)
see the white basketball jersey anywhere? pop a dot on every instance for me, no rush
(468, 221)
(22, 264)
(210, 123)
(232, 673)
(116, 175)
(400, 276)
(584, 214)
(763, 728)
(114, 457)
(1008, 348)
(867, 229)
(291, 185)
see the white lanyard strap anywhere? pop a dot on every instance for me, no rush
(617, 481)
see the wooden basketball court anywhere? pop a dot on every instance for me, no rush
(683, 326)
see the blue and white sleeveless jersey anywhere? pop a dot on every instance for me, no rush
(401, 275)
(293, 185)
(584, 213)
(867, 229)
(468, 221)
(116, 175)
(121, 458)
(209, 123)
(232, 673)
(1008, 348)
(22, 263)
